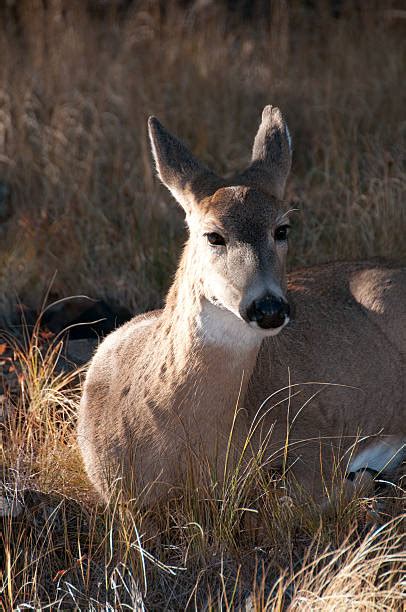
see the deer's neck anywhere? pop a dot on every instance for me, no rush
(205, 354)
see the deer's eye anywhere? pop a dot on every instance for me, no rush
(281, 233)
(215, 239)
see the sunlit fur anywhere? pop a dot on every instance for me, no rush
(158, 394)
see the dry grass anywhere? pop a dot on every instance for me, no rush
(213, 547)
(75, 93)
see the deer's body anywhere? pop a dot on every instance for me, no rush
(164, 387)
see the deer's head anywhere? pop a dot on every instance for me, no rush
(238, 226)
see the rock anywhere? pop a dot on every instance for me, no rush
(5, 202)
(86, 318)
(76, 353)
(10, 505)
(80, 351)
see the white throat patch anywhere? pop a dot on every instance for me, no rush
(221, 327)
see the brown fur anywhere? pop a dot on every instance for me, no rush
(164, 386)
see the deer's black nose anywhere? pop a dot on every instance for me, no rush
(269, 312)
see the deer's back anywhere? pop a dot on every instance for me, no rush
(346, 346)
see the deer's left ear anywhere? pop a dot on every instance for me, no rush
(186, 178)
(271, 154)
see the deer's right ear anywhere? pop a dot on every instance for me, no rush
(186, 178)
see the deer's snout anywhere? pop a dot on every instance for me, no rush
(269, 312)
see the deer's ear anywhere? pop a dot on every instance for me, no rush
(186, 178)
(271, 154)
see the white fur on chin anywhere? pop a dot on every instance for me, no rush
(223, 327)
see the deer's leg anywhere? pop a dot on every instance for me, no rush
(322, 471)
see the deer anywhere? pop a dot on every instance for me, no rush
(321, 352)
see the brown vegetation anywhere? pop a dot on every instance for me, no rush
(75, 92)
(75, 95)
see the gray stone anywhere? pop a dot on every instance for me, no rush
(80, 351)
(5, 203)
